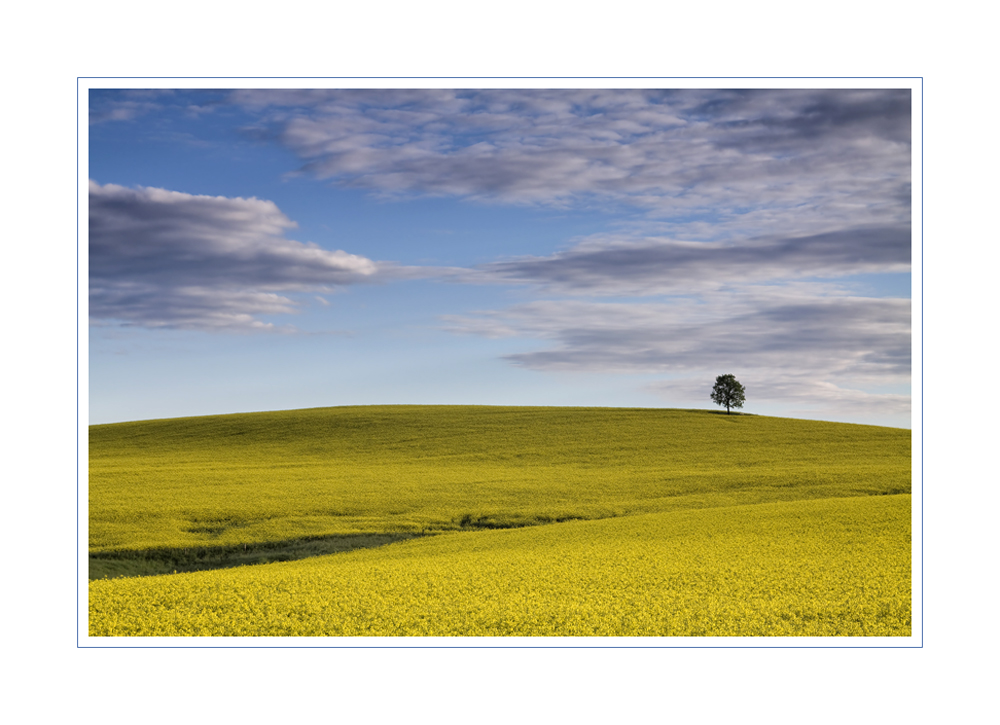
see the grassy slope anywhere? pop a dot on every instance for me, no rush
(713, 525)
(266, 477)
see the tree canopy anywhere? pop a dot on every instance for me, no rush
(728, 392)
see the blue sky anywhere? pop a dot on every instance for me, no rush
(274, 249)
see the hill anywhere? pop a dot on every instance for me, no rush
(520, 521)
(258, 477)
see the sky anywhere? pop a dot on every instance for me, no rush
(293, 248)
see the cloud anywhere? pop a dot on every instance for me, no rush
(162, 258)
(776, 337)
(660, 266)
(757, 328)
(114, 104)
(812, 159)
(798, 395)
(124, 105)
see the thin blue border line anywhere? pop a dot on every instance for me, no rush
(513, 646)
(78, 364)
(414, 78)
(922, 617)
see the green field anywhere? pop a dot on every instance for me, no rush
(517, 521)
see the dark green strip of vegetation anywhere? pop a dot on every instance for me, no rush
(151, 562)
(488, 521)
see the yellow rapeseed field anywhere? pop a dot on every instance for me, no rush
(540, 522)
(828, 567)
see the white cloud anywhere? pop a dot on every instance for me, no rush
(124, 105)
(795, 395)
(812, 160)
(162, 258)
(655, 266)
(789, 345)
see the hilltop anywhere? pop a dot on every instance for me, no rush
(259, 477)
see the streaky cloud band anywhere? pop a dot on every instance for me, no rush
(161, 258)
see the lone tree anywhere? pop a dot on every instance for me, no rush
(728, 392)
